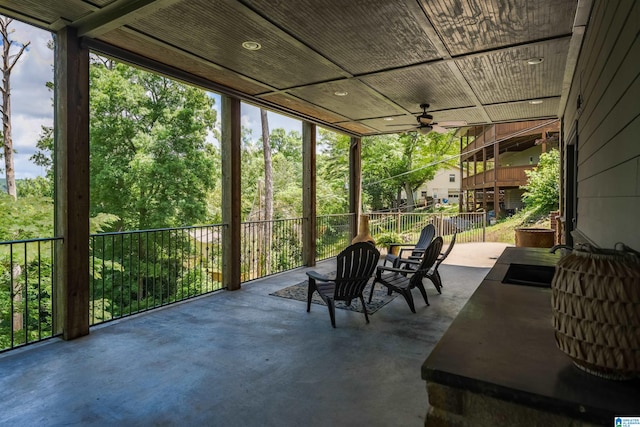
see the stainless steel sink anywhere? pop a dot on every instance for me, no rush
(529, 275)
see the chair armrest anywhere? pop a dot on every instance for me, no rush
(405, 249)
(381, 268)
(319, 277)
(396, 245)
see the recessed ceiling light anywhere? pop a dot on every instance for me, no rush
(250, 45)
(341, 93)
(534, 61)
(388, 119)
(536, 101)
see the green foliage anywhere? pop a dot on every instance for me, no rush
(287, 175)
(151, 164)
(332, 173)
(542, 192)
(384, 239)
(392, 163)
(35, 187)
(26, 272)
(28, 217)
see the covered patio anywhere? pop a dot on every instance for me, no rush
(244, 358)
(351, 70)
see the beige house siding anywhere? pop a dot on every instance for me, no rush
(441, 188)
(607, 86)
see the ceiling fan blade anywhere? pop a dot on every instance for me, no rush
(453, 123)
(411, 126)
(439, 129)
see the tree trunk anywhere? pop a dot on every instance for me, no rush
(6, 120)
(409, 191)
(8, 62)
(268, 188)
(16, 290)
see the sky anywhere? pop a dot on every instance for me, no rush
(32, 102)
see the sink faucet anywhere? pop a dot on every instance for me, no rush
(556, 247)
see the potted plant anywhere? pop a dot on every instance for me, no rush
(384, 242)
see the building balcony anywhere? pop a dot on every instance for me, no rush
(509, 176)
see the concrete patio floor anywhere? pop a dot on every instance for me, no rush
(243, 358)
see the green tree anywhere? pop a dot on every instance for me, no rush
(542, 193)
(151, 163)
(332, 173)
(396, 163)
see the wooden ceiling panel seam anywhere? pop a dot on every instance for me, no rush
(294, 67)
(286, 18)
(51, 23)
(118, 14)
(192, 56)
(219, 40)
(206, 84)
(314, 91)
(293, 36)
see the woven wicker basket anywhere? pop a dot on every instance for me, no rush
(596, 310)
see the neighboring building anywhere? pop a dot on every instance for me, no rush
(443, 189)
(494, 160)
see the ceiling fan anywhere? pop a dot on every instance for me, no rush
(426, 123)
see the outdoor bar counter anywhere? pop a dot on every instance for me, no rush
(498, 363)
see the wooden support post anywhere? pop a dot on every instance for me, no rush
(71, 153)
(355, 183)
(496, 189)
(231, 194)
(309, 193)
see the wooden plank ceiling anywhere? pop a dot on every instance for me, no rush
(467, 58)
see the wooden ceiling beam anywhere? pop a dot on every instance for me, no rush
(118, 14)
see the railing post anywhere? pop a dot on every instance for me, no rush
(398, 221)
(309, 193)
(484, 226)
(355, 182)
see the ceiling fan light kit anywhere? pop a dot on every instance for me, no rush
(426, 123)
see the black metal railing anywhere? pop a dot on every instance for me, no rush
(26, 291)
(270, 247)
(333, 234)
(136, 271)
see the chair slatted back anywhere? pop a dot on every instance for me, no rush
(356, 265)
(426, 236)
(429, 258)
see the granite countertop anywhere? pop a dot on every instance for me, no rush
(502, 344)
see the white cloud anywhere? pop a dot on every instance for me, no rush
(31, 101)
